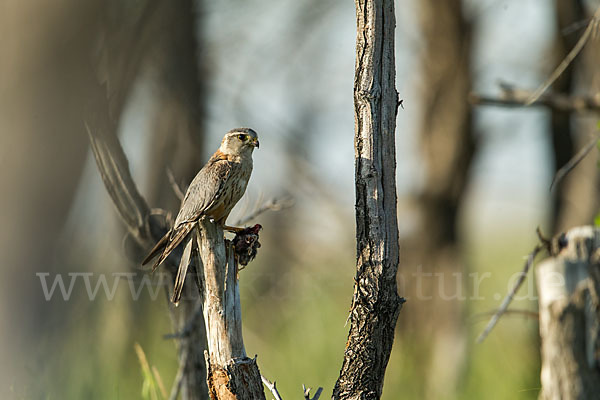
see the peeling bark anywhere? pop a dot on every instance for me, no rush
(569, 288)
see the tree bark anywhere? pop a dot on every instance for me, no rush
(231, 374)
(569, 302)
(375, 303)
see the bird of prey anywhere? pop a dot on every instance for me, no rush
(213, 193)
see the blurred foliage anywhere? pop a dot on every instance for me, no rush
(152, 386)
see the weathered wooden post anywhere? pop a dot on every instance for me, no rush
(569, 288)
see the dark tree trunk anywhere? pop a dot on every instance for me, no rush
(375, 303)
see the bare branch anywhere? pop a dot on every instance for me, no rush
(178, 381)
(271, 205)
(174, 185)
(575, 26)
(569, 166)
(591, 28)
(307, 393)
(511, 294)
(511, 97)
(114, 170)
(272, 386)
(525, 313)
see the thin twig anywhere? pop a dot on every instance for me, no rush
(569, 166)
(272, 387)
(546, 242)
(554, 101)
(177, 382)
(592, 25)
(114, 171)
(509, 297)
(307, 393)
(174, 185)
(575, 26)
(272, 205)
(512, 311)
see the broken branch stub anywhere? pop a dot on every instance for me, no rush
(569, 288)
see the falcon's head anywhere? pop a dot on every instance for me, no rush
(239, 141)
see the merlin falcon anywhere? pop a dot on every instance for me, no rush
(213, 193)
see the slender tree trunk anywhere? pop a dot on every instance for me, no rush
(375, 303)
(569, 290)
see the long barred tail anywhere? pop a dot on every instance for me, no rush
(186, 258)
(158, 248)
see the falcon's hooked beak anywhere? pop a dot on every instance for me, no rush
(255, 143)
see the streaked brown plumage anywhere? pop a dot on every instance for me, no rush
(215, 190)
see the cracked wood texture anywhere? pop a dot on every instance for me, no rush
(569, 289)
(231, 374)
(375, 303)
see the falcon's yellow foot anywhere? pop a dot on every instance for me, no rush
(233, 229)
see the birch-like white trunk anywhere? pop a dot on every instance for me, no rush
(569, 288)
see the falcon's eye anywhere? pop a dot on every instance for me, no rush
(242, 137)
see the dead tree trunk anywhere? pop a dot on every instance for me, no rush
(569, 289)
(231, 374)
(375, 303)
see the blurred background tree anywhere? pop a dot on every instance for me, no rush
(435, 331)
(473, 182)
(577, 198)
